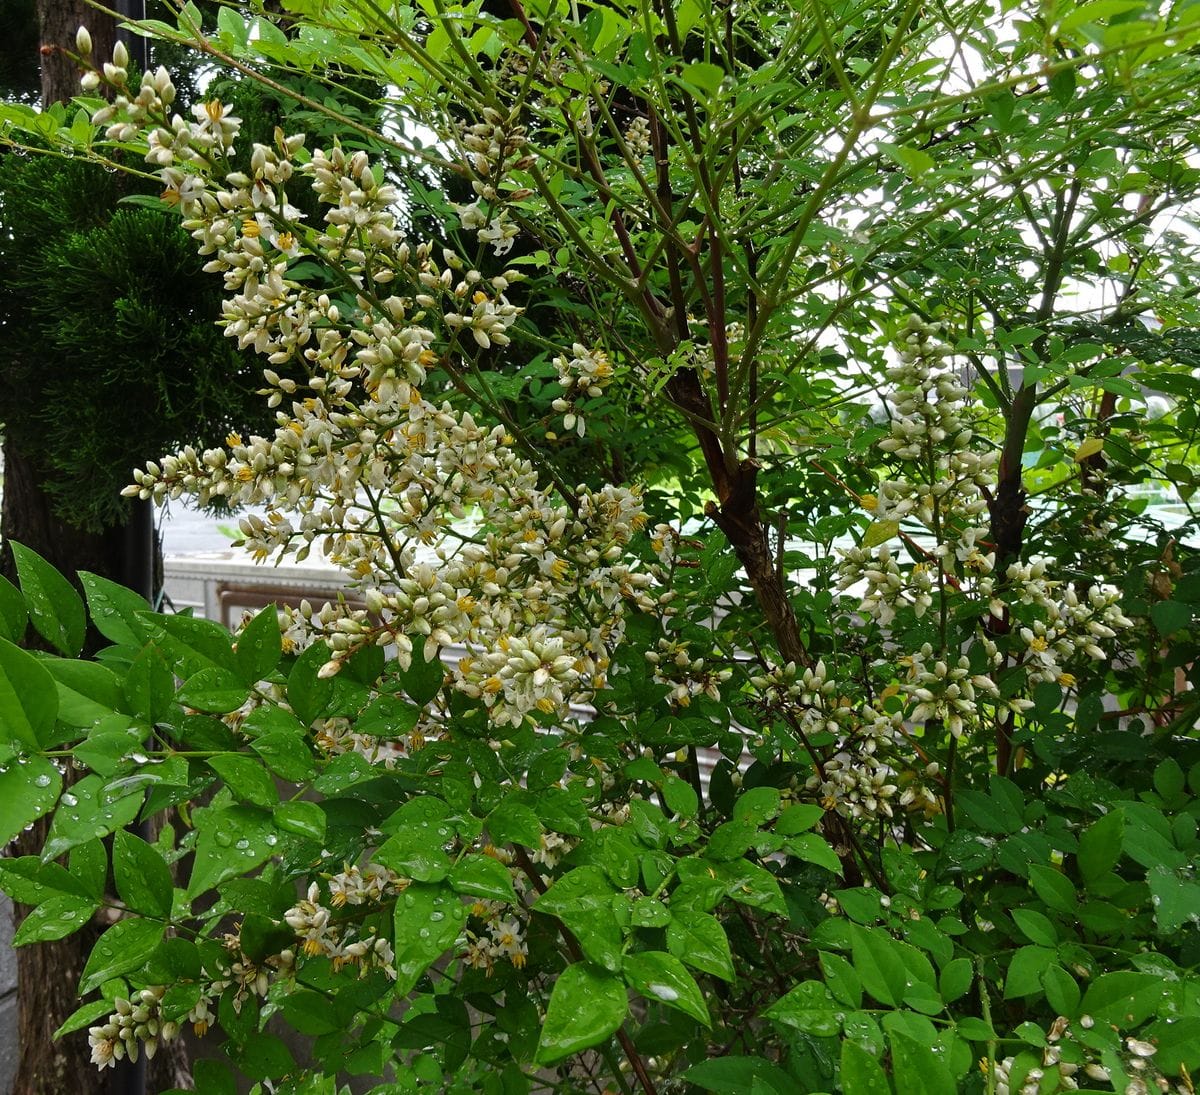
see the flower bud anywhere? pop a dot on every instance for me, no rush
(83, 42)
(121, 55)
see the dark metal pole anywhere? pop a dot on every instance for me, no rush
(139, 47)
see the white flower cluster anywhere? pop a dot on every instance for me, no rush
(499, 932)
(687, 674)
(360, 464)
(870, 774)
(1070, 623)
(320, 935)
(490, 149)
(637, 136)
(587, 373)
(867, 733)
(135, 1026)
(1067, 1060)
(941, 496)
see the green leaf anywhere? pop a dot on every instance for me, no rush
(87, 691)
(116, 611)
(28, 880)
(680, 797)
(483, 876)
(974, 1030)
(1036, 927)
(89, 809)
(412, 854)
(662, 978)
(699, 940)
(124, 948)
(85, 1016)
(1170, 616)
(586, 1006)
(750, 884)
(55, 918)
(300, 818)
(1169, 781)
(142, 876)
(427, 920)
(214, 1078)
(246, 777)
(757, 806)
(1178, 1042)
(1054, 888)
(843, 982)
(14, 617)
(915, 161)
(1176, 900)
(88, 864)
(1126, 998)
(955, 979)
(1100, 846)
(1062, 993)
(288, 755)
(309, 1012)
(191, 643)
(28, 698)
(388, 717)
(740, 1076)
(512, 822)
(877, 962)
(1025, 971)
(149, 686)
(798, 818)
(232, 26)
(215, 691)
(861, 1072)
(1094, 11)
(307, 693)
(262, 1056)
(814, 848)
(917, 1069)
(109, 743)
(54, 607)
(231, 841)
(29, 788)
(808, 1007)
(259, 646)
(703, 76)
(423, 680)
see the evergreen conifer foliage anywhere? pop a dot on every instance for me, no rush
(117, 291)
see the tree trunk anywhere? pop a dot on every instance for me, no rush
(48, 973)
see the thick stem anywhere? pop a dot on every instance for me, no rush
(738, 516)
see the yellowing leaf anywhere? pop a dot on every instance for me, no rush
(1090, 446)
(879, 532)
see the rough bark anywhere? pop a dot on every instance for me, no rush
(58, 20)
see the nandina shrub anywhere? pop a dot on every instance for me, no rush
(689, 722)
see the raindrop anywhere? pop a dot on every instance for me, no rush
(272, 840)
(70, 800)
(223, 838)
(42, 781)
(663, 992)
(243, 844)
(435, 916)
